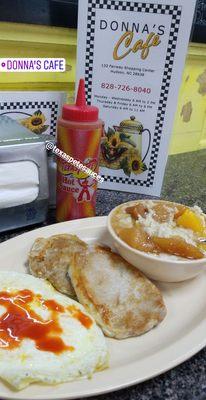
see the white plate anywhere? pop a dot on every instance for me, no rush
(177, 338)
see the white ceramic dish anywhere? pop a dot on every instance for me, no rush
(160, 269)
(134, 360)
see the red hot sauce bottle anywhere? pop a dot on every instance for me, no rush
(79, 133)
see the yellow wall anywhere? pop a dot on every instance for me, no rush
(189, 130)
(20, 40)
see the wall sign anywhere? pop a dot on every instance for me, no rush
(132, 56)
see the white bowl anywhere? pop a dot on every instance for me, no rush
(160, 269)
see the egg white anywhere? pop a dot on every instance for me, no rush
(26, 364)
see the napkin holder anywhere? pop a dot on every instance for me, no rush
(23, 202)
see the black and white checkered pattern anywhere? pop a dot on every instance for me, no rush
(164, 91)
(175, 12)
(8, 107)
(119, 179)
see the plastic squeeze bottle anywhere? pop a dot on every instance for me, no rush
(79, 133)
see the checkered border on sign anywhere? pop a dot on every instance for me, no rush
(25, 105)
(175, 12)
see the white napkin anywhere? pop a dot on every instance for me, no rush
(19, 183)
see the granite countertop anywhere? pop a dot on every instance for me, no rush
(185, 182)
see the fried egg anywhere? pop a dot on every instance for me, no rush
(45, 336)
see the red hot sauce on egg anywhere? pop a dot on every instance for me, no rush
(20, 321)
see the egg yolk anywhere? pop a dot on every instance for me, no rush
(19, 321)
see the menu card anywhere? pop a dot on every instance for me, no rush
(37, 111)
(132, 56)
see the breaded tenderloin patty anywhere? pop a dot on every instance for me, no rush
(121, 299)
(49, 258)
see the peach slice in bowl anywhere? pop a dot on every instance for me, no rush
(164, 240)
